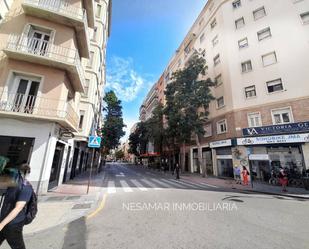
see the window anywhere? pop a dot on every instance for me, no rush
(236, 4)
(90, 61)
(254, 119)
(250, 91)
(23, 94)
(239, 23)
(305, 17)
(269, 59)
(1, 18)
(282, 116)
(246, 66)
(86, 87)
(215, 41)
(220, 102)
(218, 80)
(98, 10)
(263, 34)
(274, 85)
(213, 23)
(188, 48)
(221, 126)
(81, 119)
(243, 43)
(94, 34)
(202, 37)
(217, 60)
(259, 13)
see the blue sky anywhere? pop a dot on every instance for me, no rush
(144, 36)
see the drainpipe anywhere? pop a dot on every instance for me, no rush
(44, 162)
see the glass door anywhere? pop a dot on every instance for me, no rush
(25, 96)
(38, 43)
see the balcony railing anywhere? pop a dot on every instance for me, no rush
(39, 107)
(62, 57)
(59, 6)
(63, 12)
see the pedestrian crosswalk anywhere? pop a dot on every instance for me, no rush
(149, 184)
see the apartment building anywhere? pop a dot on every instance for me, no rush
(146, 111)
(46, 56)
(90, 109)
(4, 8)
(258, 53)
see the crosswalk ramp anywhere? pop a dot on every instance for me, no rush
(151, 184)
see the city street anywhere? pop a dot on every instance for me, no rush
(141, 208)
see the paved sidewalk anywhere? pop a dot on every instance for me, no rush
(257, 187)
(66, 203)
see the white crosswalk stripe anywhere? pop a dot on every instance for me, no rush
(111, 187)
(208, 185)
(138, 185)
(125, 186)
(178, 185)
(191, 185)
(162, 183)
(153, 186)
(199, 185)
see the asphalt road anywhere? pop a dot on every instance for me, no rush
(147, 210)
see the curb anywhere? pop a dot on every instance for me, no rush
(260, 192)
(95, 206)
(272, 193)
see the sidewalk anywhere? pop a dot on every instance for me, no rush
(66, 203)
(257, 187)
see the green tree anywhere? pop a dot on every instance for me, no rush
(113, 126)
(188, 97)
(138, 139)
(155, 129)
(119, 154)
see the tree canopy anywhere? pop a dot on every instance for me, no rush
(187, 100)
(113, 126)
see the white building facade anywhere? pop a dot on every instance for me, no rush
(257, 51)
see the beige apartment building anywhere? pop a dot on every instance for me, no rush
(258, 52)
(51, 83)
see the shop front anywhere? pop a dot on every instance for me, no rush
(268, 153)
(223, 157)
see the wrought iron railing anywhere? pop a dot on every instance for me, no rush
(39, 47)
(59, 6)
(38, 106)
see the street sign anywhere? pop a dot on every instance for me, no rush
(94, 142)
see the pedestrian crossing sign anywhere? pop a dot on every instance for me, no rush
(94, 142)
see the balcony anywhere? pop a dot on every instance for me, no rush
(62, 12)
(23, 106)
(89, 6)
(45, 53)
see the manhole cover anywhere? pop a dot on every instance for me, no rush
(72, 197)
(55, 198)
(82, 206)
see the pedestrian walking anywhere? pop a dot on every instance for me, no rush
(283, 179)
(237, 175)
(245, 175)
(177, 169)
(14, 210)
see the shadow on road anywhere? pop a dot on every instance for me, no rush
(75, 237)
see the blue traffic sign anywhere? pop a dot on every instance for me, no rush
(94, 142)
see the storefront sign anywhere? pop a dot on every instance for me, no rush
(224, 157)
(221, 143)
(259, 157)
(292, 138)
(276, 129)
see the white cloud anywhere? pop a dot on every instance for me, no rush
(124, 80)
